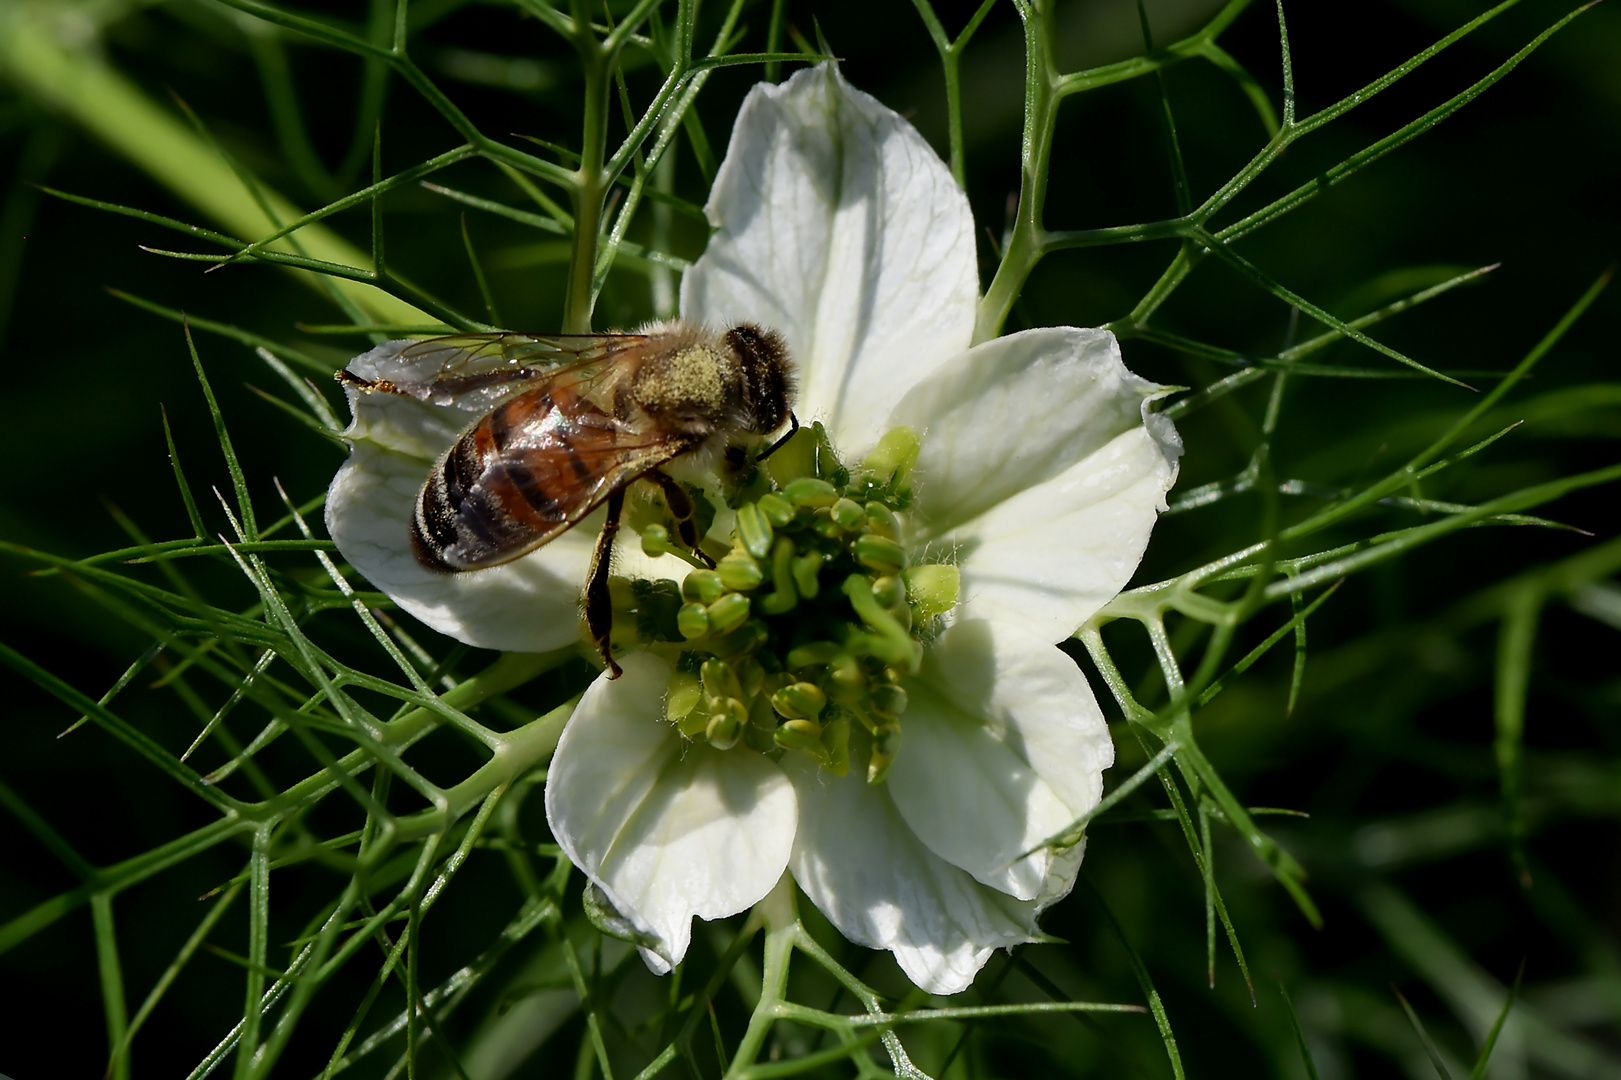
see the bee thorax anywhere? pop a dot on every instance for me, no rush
(695, 380)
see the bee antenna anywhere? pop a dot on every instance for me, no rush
(793, 429)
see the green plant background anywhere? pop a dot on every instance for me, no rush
(1390, 749)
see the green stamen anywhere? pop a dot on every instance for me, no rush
(775, 659)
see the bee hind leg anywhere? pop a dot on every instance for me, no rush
(682, 510)
(599, 608)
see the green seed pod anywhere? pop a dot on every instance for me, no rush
(807, 567)
(719, 680)
(753, 530)
(799, 734)
(883, 521)
(889, 591)
(739, 572)
(811, 492)
(848, 514)
(703, 587)
(932, 588)
(692, 620)
(728, 613)
(879, 552)
(777, 510)
(888, 700)
(799, 701)
(682, 695)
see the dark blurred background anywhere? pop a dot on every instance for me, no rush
(1390, 747)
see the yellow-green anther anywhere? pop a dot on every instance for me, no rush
(848, 514)
(692, 620)
(879, 552)
(888, 700)
(883, 521)
(777, 510)
(889, 591)
(886, 741)
(719, 680)
(703, 587)
(799, 734)
(739, 642)
(726, 726)
(753, 530)
(807, 567)
(846, 681)
(823, 524)
(682, 695)
(785, 598)
(811, 654)
(800, 701)
(751, 675)
(728, 613)
(932, 588)
(655, 541)
(892, 459)
(739, 572)
(811, 492)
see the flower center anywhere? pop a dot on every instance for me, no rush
(798, 639)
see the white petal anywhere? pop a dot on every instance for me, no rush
(859, 862)
(530, 605)
(667, 828)
(838, 225)
(1042, 471)
(1002, 746)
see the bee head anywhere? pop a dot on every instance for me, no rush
(768, 375)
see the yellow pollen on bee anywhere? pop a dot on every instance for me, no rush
(691, 376)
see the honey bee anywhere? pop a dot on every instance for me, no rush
(574, 420)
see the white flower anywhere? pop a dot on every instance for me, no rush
(1041, 472)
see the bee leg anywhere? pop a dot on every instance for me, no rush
(599, 608)
(682, 510)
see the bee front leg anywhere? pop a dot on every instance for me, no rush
(682, 510)
(599, 608)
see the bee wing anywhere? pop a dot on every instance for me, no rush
(527, 472)
(474, 372)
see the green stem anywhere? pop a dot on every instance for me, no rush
(590, 183)
(781, 920)
(76, 84)
(1024, 247)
